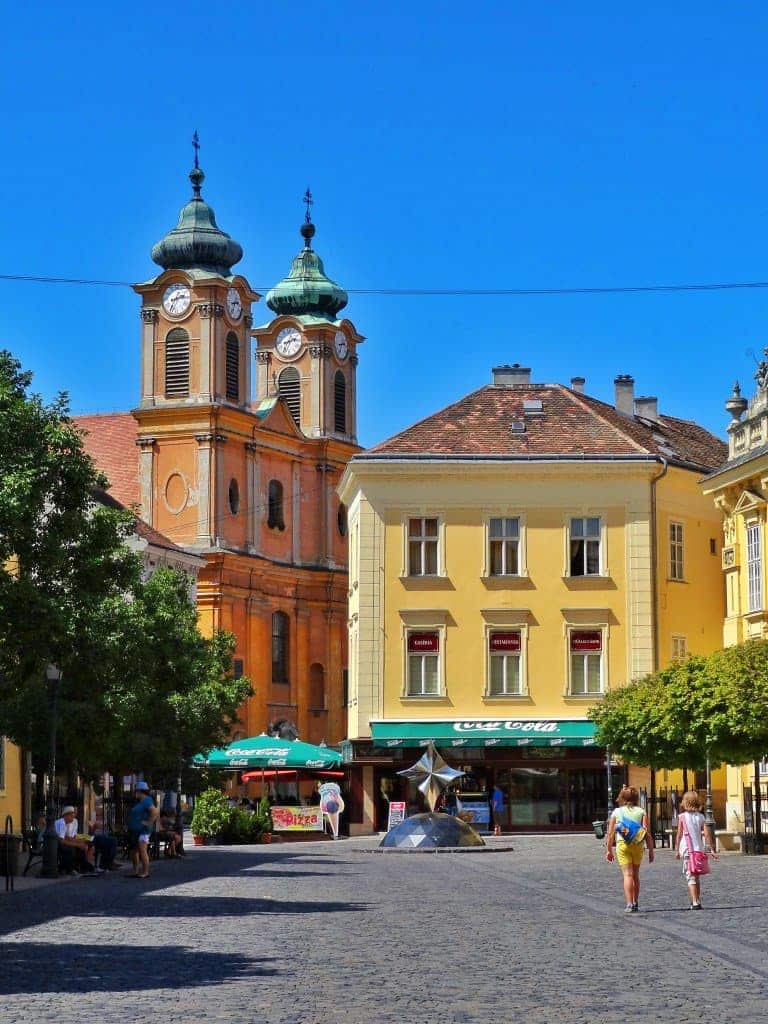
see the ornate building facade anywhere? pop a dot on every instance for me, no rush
(241, 469)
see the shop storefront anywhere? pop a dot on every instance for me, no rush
(549, 772)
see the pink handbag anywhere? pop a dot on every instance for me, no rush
(698, 861)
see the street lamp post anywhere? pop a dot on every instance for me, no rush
(609, 780)
(709, 817)
(50, 868)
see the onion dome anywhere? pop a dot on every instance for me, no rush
(197, 242)
(307, 289)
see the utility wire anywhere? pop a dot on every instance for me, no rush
(718, 286)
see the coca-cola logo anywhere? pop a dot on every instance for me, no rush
(509, 725)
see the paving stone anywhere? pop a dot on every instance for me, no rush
(322, 934)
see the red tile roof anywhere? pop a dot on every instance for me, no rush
(144, 530)
(570, 424)
(110, 440)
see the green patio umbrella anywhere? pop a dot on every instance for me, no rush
(268, 752)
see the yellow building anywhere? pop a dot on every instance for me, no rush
(11, 774)
(512, 558)
(739, 488)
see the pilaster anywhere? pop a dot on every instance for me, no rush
(205, 443)
(146, 477)
(301, 674)
(254, 514)
(263, 361)
(296, 512)
(148, 327)
(220, 510)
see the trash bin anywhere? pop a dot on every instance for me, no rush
(10, 848)
(599, 827)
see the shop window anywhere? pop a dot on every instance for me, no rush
(422, 547)
(177, 364)
(504, 655)
(280, 624)
(233, 367)
(275, 517)
(504, 542)
(423, 664)
(586, 662)
(585, 546)
(676, 551)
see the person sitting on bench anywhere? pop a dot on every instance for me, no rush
(73, 852)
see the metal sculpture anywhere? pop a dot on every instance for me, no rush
(431, 774)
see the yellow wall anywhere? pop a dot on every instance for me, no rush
(10, 792)
(461, 603)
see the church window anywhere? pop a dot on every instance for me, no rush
(339, 403)
(177, 364)
(233, 367)
(289, 389)
(234, 497)
(279, 647)
(275, 517)
(341, 520)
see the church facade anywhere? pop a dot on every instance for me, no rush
(241, 467)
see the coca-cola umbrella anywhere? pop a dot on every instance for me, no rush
(268, 752)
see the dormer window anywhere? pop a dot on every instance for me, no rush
(177, 364)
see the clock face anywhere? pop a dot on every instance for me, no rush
(176, 299)
(340, 344)
(288, 341)
(234, 305)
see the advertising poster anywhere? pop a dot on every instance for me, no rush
(297, 819)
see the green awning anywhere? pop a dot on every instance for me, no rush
(497, 732)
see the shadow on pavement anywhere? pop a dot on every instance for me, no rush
(53, 967)
(222, 906)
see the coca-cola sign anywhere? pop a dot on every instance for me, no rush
(586, 641)
(508, 643)
(423, 643)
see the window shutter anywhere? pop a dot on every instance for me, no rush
(177, 364)
(289, 389)
(233, 367)
(339, 403)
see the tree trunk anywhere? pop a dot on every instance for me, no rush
(685, 780)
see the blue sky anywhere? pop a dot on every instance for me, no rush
(487, 145)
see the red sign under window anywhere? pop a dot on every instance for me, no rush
(591, 641)
(506, 642)
(423, 643)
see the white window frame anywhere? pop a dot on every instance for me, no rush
(754, 565)
(679, 647)
(601, 539)
(522, 569)
(586, 628)
(440, 540)
(409, 630)
(676, 550)
(517, 627)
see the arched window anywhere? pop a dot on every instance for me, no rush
(289, 389)
(279, 647)
(234, 497)
(233, 367)
(275, 518)
(177, 364)
(316, 686)
(339, 403)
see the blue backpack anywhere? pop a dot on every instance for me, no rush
(629, 831)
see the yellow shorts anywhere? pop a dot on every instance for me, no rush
(629, 853)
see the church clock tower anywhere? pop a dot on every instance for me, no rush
(306, 355)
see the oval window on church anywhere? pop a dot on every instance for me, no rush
(234, 497)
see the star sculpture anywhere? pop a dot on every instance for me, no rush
(432, 774)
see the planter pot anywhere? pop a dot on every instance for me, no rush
(198, 840)
(266, 837)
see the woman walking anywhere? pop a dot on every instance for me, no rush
(691, 832)
(629, 826)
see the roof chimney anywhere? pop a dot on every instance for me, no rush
(624, 401)
(514, 376)
(577, 384)
(648, 408)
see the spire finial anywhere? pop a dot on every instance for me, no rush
(308, 228)
(196, 176)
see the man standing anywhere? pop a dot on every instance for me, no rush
(73, 852)
(497, 809)
(141, 821)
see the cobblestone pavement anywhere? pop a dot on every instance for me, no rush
(331, 933)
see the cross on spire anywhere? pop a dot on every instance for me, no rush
(196, 146)
(309, 201)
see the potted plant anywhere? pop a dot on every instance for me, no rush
(211, 816)
(264, 817)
